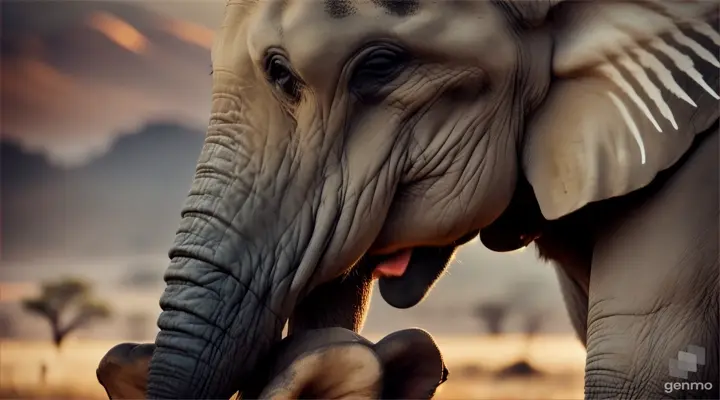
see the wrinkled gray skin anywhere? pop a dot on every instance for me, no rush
(331, 363)
(342, 131)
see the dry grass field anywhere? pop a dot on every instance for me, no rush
(473, 362)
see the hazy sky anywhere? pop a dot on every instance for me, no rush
(207, 13)
(77, 74)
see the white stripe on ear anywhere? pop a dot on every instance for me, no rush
(696, 47)
(616, 77)
(685, 14)
(649, 61)
(630, 123)
(649, 87)
(705, 29)
(684, 63)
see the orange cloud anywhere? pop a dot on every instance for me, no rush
(190, 32)
(46, 107)
(23, 78)
(74, 119)
(119, 31)
(73, 110)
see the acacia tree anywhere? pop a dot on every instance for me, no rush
(67, 305)
(492, 314)
(532, 325)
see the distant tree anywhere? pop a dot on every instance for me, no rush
(532, 325)
(492, 315)
(67, 305)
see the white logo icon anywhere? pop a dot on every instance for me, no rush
(687, 361)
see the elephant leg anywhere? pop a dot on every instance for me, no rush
(568, 243)
(576, 303)
(654, 291)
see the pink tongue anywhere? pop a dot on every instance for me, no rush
(394, 266)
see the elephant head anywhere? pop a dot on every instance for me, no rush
(358, 139)
(332, 363)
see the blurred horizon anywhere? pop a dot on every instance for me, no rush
(476, 366)
(104, 106)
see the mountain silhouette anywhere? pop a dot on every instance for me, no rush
(20, 168)
(125, 202)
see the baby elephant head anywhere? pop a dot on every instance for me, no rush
(124, 369)
(332, 363)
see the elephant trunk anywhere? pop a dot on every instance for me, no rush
(228, 291)
(200, 352)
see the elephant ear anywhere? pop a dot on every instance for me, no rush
(634, 83)
(413, 365)
(123, 371)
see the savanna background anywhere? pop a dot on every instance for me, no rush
(103, 111)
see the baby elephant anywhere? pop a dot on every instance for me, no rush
(332, 363)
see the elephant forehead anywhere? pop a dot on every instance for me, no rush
(320, 35)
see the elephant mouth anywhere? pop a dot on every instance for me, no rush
(392, 265)
(407, 275)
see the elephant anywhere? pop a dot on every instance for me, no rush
(355, 141)
(331, 363)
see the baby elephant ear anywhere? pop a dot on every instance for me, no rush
(330, 363)
(123, 371)
(339, 371)
(413, 365)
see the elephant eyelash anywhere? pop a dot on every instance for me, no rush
(211, 69)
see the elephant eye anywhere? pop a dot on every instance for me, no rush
(282, 78)
(377, 69)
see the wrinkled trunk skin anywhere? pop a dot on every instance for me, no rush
(228, 290)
